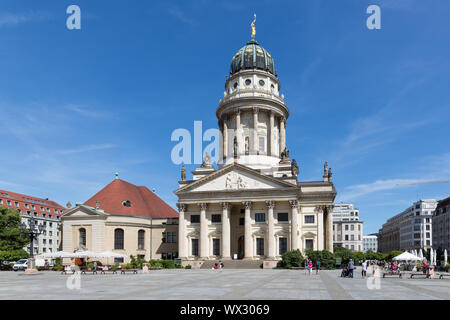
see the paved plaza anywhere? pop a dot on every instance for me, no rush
(213, 284)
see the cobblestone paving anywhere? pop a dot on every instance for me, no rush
(213, 284)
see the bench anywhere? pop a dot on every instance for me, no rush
(392, 273)
(103, 271)
(442, 275)
(419, 274)
(123, 271)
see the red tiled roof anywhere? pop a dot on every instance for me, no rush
(23, 199)
(144, 203)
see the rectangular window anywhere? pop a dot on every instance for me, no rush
(260, 246)
(216, 247)
(118, 260)
(352, 237)
(195, 247)
(309, 244)
(261, 145)
(346, 237)
(309, 219)
(282, 242)
(216, 218)
(8, 202)
(353, 247)
(195, 218)
(346, 227)
(283, 217)
(16, 204)
(352, 227)
(241, 221)
(260, 217)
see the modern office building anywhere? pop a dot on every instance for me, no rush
(441, 225)
(370, 243)
(347, 228)
(410, 229)
(45, 211)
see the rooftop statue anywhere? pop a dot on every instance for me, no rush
(253, 28)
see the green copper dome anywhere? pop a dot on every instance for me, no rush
(252, 56)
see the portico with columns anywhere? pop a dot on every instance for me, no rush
(253, 204)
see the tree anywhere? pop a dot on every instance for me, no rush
(291, 259)
(344, 254)
(12, 239)
(325, 257)
(393, 254)
(370, 255)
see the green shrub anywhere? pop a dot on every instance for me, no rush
(326, 258)
(58, 267)
(178, 266)
(90, 265)
(137, 262)
(393, 254)
(344, 254)
(114, 267)
(447, 267)
(188, 267)
(168, 264)
(292, 259)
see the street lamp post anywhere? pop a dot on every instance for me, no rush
(34, 229)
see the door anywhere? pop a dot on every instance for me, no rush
(241, 247)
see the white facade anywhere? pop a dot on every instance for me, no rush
(347, 228)
(370, 243)
(410, 229)
(253, 206)
(48, 240)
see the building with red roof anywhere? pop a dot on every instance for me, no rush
(122, 218)
(45, 211)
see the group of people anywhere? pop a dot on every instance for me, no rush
(309, 266)
(218, 265)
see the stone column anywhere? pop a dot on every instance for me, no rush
(330, 242)
(248, 246)
(320, 231)
(181, 231)
(255, 131)
(300, 228)
(226, 254)
(294, 224)
(271, 137)
(282, 134)
(225, 138)
(204, 245)
(239, 132)
(270, 232)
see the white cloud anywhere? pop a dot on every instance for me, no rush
(88, 148)
(180, 15)
(13, 19)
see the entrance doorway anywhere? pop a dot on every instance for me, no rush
(241, 247)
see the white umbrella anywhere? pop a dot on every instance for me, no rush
(87, 254)
(445, 256)
(58, 254)
(406, 256)
(420, 254)
(110, 254)
(435, 257)
(431, 256)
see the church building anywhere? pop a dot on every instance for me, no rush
(253, 206)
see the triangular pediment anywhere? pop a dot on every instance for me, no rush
(83, 211)
(235, 177)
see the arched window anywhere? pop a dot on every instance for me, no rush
(82, 235)
(118, 239)
(141, 237)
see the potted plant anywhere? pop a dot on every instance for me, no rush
(90, 266)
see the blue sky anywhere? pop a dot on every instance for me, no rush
(77, 106)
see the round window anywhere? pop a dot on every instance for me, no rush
(235, 85)
(247, 82)
(261, 83)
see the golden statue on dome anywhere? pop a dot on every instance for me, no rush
(253, 28)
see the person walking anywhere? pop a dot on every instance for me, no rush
(351, 266)
(317, 266)
(310, 266)
(364, 269)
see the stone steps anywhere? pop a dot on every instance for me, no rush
(234, 264)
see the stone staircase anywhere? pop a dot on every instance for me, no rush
(234, 264)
